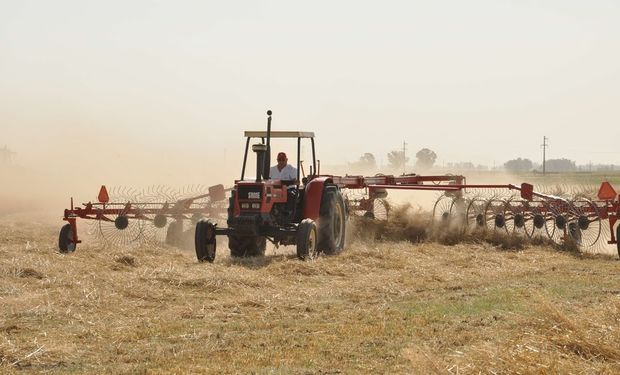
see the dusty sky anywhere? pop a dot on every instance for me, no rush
(110, 86)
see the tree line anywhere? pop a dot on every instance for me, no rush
(397, 160)
(426, 158)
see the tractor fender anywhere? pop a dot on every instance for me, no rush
(312, 197)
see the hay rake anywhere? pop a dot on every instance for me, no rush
(562, 213)
(531, 214)
(158, 214)
(163, 215)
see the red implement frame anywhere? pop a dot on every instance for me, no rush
(180, 209)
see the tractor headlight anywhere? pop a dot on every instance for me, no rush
(245, 206)
(256, 206)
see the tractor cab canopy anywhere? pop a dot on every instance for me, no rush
(279, 134)
(265, 137)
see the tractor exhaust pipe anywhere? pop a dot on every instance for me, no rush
(263, 154)
(261, 150)
(267, 158)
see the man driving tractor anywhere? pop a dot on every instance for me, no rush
(283, 170)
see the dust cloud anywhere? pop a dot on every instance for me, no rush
(43, 175)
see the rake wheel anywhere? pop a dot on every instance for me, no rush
(535, 216)
(119, 228)
(379, 209)
(515, 217)
(494, 215)
(449, 211)
(584, 227)
(174, 233)
(475, 215)
(458, 213)
(557, 219)
(157, 226)
(441, 210)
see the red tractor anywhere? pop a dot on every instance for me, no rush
(308, 212)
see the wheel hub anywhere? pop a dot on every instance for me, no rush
(500, 221)
(121, 222)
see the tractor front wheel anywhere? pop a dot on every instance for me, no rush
(306, 240)
(205, 241)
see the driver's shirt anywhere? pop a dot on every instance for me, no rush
(287, 173)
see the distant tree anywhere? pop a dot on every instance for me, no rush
(560, 165)
(397, 159)
(519, 165)
(425, 158)
(367, 161)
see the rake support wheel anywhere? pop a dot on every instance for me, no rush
(65, 239)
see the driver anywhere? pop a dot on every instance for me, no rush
(283, 170)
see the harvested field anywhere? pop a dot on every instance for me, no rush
(379, 307)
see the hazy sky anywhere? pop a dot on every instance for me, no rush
(478, 81)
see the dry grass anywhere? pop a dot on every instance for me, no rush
(382, 306)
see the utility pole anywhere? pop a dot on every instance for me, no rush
(404, 156)
(544, 147)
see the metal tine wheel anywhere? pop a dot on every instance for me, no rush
(121, 228)
(585, 226)
(494, 215)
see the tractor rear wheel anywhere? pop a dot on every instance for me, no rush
(306, 240)
(332, 221)
(244, 246)
(618, 240)
(205, 241)
(65, 239)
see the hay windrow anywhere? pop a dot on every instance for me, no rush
(406, 223)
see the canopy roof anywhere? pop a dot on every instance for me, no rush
(279, 134)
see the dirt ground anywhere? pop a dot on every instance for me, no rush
(379, 307)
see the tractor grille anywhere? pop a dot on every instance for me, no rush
(246, 225)
(251, 192)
